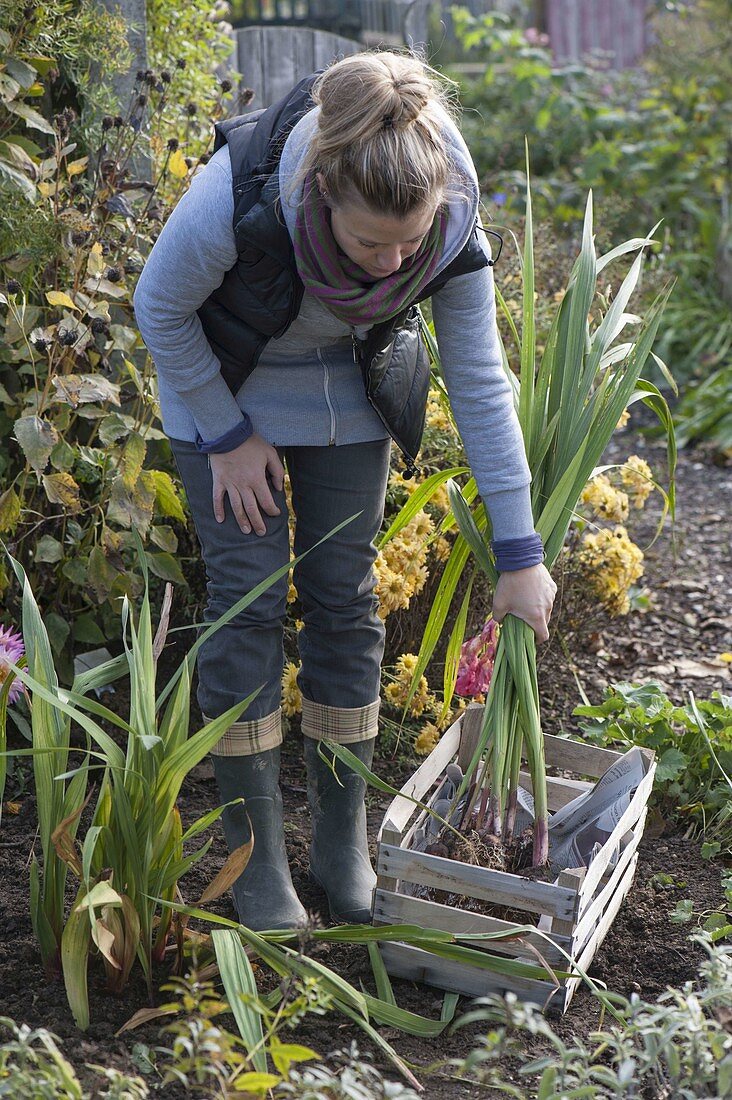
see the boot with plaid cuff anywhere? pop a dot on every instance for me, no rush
(263, 894)
(339, 851)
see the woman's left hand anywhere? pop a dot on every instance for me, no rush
(529, 595)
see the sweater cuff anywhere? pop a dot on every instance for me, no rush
(229, 441)
(514, 554)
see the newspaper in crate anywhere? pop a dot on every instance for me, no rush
(578, 830)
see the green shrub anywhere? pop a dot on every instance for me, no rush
(651, 143)
(677, 1046)
(693, 744)
(83, 464)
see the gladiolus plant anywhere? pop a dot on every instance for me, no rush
(568, 408)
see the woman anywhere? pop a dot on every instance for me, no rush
(276, 305)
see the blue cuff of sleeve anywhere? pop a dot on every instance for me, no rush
(229, 441)
(513, 554)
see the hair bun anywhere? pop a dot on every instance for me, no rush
(411, 95)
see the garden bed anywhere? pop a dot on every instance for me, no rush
(645, 950)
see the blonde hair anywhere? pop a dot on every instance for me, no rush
(379, 135)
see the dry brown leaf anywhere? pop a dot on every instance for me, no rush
(144, 1016)
(104, 938)
(63, 841)
(230, 872)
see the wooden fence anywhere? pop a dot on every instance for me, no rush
(272, 59)
(618, 29)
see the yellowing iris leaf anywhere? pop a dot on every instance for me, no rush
(59, 298)
(77, 166)
(95, 264)
(177, 165)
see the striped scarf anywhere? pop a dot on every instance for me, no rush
(339, 283)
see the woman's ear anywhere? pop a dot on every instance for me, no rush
(320, 180)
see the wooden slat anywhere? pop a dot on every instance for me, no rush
(627, 821)
(577, 756)
(477, 882)
(602, 929)
(405, 961)
(591, 915)
(417, 786)
(571, 877)
(391, 908)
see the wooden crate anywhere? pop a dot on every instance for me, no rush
(576, 911)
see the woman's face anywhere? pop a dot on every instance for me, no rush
(377, 242)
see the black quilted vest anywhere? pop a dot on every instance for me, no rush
(260, 295)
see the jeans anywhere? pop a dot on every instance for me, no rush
(342, 640)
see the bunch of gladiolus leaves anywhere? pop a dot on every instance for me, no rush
(568, 405)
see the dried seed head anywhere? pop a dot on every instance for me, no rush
(99, 325)
(204, 158)
(107, 122)
(191, 109)
(172, 144)
(180, 63)
(113, 274)
(139, 76)
(141, 100)
(40, 343)
(118, 121)
(13, 286)
(66, 336)
(226, 85)
(78, 238)
(165, 76)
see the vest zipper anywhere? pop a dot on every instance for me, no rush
(326, 390)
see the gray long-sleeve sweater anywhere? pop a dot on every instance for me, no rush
(306, 389)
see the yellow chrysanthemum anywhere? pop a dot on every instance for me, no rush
(612, 563)
(291, 694)
(406, 665)
(427, 738)
(624, 418)
(440, 499)
(604, 499)
(637, 477)
(437, 416)
(442, 548)
(401, 566)
(397, 691)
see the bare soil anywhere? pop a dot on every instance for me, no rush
(688, 574)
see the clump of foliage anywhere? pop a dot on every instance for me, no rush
(651, 142)
(693, 744)
(33, 1067)
(679, 1045)
(131, 856)
(83, 465)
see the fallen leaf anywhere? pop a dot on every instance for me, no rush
(701, 669)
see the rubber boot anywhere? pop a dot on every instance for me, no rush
(263, 894)
(339, 851)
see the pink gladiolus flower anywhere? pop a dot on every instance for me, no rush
(11, 650)
(475, 666)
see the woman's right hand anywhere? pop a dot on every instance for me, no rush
(242, 476)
